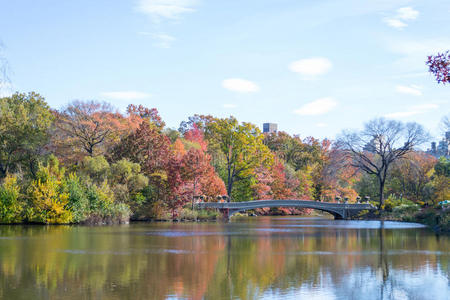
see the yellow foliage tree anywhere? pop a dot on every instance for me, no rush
(49, 203)
(48, 197)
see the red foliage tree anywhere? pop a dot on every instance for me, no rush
(439, 65)
(197, 136)
(197, 169)
(262, 187)
(151, 149)
(195, 166)
(279, 185)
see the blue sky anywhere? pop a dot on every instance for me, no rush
(313, 67)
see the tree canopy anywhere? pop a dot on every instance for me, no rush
(25, 120)
(243, 148)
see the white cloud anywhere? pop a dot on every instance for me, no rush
(414, 51)
(407, 13)
(418, 47)
(401, 114)
(240, 85)
(410, 90)
(162, 40)
(169, 9)
(125, 95)
(395, 23)
(311, 66)
(413, 110)
(317, 107)
(403, 14)
(410, 75)
(425, 107)
(229, 105)
(321, 125)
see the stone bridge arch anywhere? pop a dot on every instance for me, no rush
(338, 210)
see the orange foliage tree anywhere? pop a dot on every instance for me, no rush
(86, 129)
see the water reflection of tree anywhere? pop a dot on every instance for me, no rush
(127, 262)
(383, 263)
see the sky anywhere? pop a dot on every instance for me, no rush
(313, 67)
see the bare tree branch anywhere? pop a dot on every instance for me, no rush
(382, 142)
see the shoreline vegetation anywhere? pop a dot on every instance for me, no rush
(88, 163)
(436, 220)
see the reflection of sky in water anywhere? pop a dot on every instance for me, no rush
(232, 229)
(365, 284)
(349, 224)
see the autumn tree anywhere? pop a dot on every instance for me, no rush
(200, 122)
(25, 120)
(337, 176)
(299, 154)
(381, 143)
(195, 165)
(148, 147)
(307, 158)
(243, 148)
(439, 66)
(138, 113)
(87, 128)
(441, 180)
(410, 176)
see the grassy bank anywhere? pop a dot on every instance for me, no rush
(188, 215)
(436, 219)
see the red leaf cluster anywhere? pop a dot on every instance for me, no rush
(439, 65)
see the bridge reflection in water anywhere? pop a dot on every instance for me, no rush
(338, 210)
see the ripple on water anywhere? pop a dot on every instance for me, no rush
(179, 233)
(128, 252)
(358, 253)
(357, 225)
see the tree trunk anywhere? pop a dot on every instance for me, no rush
(229, 184)
(381, 193)
(229, 187)
(2, 173)
(193, 194)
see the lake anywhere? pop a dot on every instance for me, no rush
(248, 258)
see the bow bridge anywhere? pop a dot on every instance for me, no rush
(338, 210)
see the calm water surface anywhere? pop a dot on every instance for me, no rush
(254, 258)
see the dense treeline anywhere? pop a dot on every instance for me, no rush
(88, 163)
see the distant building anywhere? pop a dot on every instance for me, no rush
(270, 127)
(433, 146)
(373, 145)
(442, 148)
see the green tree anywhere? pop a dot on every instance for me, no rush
(442, 168)
(441, 180)
(128, 183)
(25, 120)
(243, 147)
(96, 168)
(78, 202)
(11, 205)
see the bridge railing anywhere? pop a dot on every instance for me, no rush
(285, 203)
